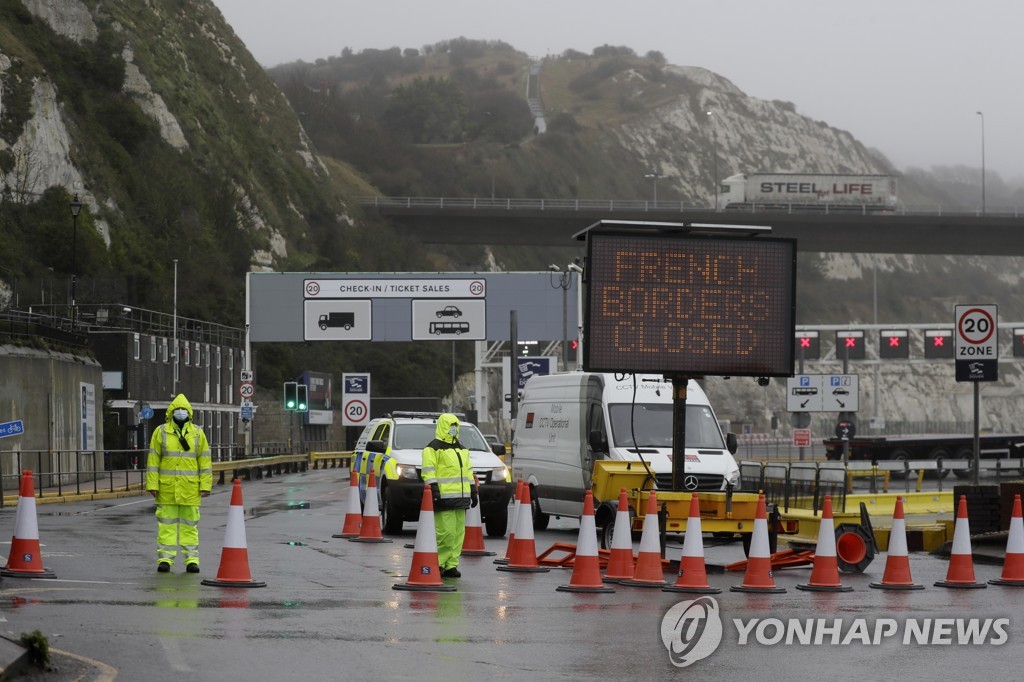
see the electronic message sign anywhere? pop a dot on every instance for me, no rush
(690, 306)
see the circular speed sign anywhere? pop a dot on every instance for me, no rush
(356, 412)
(246, 389)
(975, 325)
(976, 332)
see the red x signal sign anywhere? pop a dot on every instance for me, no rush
(894, 344)
(938, 343)
(850, 345)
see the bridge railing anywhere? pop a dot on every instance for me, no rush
(632, 205)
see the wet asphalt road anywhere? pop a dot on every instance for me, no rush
(329, 610)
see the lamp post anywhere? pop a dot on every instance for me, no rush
(714, 137)
(982, 114)
(654, 181)
(76, 208)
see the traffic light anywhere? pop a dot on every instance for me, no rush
(291, 395)
(808, 346)
(850, 345)
(894, 344)
(938, 343)
(570, 353)
(1018, 343)
(302, 396)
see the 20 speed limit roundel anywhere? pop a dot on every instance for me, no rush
(975, 325)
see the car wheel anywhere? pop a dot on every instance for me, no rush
(540, 519)
(497, 523)
(390, 517)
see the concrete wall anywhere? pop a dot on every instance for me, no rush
(43, 389)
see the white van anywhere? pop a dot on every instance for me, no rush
(566, 421)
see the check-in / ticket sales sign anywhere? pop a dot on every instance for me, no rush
(395, 288)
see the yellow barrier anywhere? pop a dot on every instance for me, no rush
(870, 473)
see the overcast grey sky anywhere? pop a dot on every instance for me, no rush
(904, 76)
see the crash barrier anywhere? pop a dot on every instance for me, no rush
(55, 486)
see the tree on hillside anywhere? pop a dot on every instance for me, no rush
(427, 111)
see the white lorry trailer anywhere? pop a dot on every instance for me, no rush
(808, 192)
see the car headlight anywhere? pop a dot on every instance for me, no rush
(734, 476)
(407, 472)
(501, 474)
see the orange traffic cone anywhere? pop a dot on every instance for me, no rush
(825, 574)
(586, 567)
(25, 559)
(693, 574)
(473, 542)
(960, 573)
(515, 522)
(897, 563)
(369, 525)
(523, 554)
(758, 577)
(620, 559)
(425, 574)
(354, 514)
(648, 571)
(234, 556)
(1013, 567)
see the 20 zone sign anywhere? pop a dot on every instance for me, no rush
(976, 332)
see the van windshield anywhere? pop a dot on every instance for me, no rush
(652, 425)
(418, 436)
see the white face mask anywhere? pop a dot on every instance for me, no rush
(453, 430)
(180, 416)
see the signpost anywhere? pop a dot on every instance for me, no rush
(977, 357)
(355, 399)
(246, 390)
(15, 428)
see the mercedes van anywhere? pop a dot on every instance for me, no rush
(567, 421)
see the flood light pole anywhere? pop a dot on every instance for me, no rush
(76, 208)
(982, 114)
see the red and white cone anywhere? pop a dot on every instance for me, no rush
(473, 543)
(369, 525)
(234, 556)
(1013, 567)
(825, 574)
(586, 567)
(25, 559)
(648, 571)
(693, 574)
(758, 577)
(897, 563)
(523, 556)
(354, 512)
(960, 574)
(515, 522)
(620, 559)
(425, 574)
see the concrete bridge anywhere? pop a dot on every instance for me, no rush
(553, 222)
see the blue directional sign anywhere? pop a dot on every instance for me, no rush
(147, 411)
(247, 412)
(15, 428)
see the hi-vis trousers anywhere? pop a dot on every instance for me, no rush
(450, 527)
(178, 526)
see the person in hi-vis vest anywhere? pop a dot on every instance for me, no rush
(179, 474)
(448, 472)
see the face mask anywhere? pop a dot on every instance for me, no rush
(180, 416)
(453, 430)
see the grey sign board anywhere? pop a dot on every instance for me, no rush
(287, 306)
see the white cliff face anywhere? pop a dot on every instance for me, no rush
(682, 139)
(69, 18)
(151, 103)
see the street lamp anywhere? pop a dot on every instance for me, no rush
(654, 181)
(714, 137)
(982, 114)
(76, 208)
(564, 282)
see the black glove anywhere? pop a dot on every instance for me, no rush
(435, 493)
(474, 499)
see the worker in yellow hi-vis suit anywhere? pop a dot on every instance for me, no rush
(178, 474)
(448, 472)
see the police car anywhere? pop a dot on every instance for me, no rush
(393, 446)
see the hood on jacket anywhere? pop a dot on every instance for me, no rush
(444, 424)
(179, 401)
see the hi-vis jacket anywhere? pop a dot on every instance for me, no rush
(446, 463)
(178, 472)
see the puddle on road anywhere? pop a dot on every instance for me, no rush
(263, 510)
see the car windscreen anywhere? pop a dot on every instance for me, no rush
(418, 436)
(652, 425)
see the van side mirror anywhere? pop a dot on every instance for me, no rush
(597, 441)
(380, 446)
(731, 443)
(499, 450)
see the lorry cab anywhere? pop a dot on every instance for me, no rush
(568, 421)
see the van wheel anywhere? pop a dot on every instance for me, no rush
(390, 518)
(540, 519)
(607, 531)
(497, 523)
